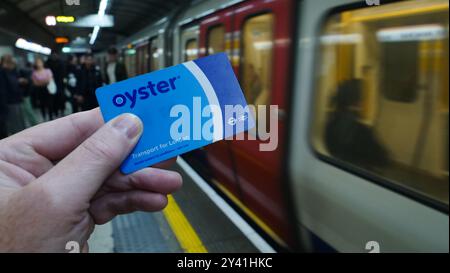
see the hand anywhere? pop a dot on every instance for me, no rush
(60, 178)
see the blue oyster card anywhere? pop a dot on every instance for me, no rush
(183, 107)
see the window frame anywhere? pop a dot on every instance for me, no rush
(358, 171)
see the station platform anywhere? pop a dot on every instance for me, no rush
(194, 221)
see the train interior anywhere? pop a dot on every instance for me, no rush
(404, 88)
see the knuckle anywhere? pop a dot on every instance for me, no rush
(99, 149)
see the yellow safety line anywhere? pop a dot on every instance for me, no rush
(184, 232)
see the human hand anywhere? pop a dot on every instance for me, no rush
(60, 178)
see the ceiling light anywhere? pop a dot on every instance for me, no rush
(94, 35)
(102, 7)
(24, 44)
(101, 12)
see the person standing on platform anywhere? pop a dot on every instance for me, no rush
(41, 77)
(3, 104)
(115, 70)
(73, 73)
(25, 85)
(55, 64)
(15, 121)
(91, 79)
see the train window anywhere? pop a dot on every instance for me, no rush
(382, 94)
(256, 59)
(143, 58)
(216, 39)
(191, 50)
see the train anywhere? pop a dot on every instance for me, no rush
(361, 163)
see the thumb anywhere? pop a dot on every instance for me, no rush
(81, 173)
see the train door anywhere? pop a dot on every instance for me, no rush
(215, 34)
(189, 50)
(155, 54)
(261, 54)
(130, 61)
(142, 60)
(138, 59)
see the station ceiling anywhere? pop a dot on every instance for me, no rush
(26, 18)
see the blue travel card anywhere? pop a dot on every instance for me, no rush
(183, 107)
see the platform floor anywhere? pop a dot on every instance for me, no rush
(192, 222)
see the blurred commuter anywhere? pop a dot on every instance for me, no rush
(91, 79)
(73, 74)
(15, 121)
(82, 60)
(34, 94)
(115, 70)
(3, 103)
(25, 84)
(256, 85)
(41, 78)
(56, 65)
(347, 138)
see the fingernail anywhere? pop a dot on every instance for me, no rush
(129, 124)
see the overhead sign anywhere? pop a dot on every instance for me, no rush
(51, 20)
(61, 40)
(93, 20)
(412, 33)
(65, 19)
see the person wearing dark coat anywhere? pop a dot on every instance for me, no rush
(15, 121)
(346, 137)
(3, 105)
(25, 83)
(91, 79)
(115, 71)
(56, 65)
(73, 81)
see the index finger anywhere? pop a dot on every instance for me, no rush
(56, 139)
